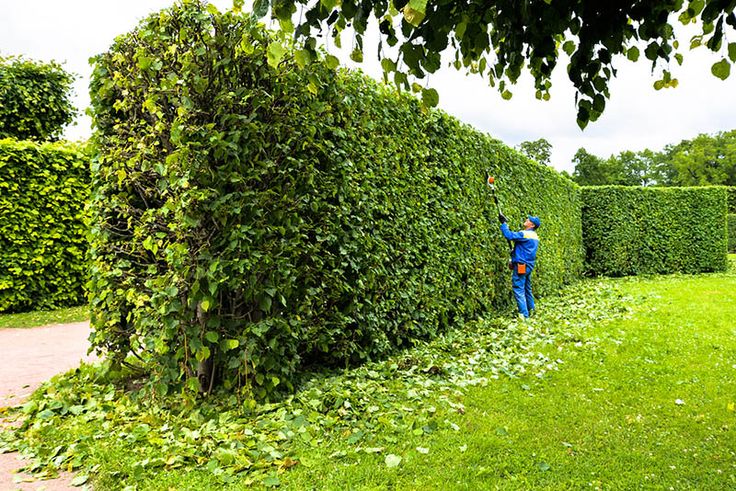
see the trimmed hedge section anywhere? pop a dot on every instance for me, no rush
(732, 232)
(35, 99)
(251, 218)
(43, 237)
(634, 230)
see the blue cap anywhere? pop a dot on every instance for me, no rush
(535, 221)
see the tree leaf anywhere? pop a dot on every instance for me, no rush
(260, 8)
(276, 53)
(721, 69)
(430, 97)
(732, 52)
(633, 53)
(332, 62)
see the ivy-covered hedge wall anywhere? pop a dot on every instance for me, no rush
(43, 237)
(35, 99)
(635, 230)
(255, 216)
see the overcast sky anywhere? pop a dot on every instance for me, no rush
(636, 116)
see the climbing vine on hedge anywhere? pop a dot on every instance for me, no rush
(255, 211)
(43, 236)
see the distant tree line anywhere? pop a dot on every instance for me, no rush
(704, 160)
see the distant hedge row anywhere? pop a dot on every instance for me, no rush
(630, 230)
(35, 99)
(732, 232)
(257, 217)
(43, 190)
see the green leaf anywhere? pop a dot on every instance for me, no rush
(392, 460)
(332, 62)
(568, 47)
(205, 304)
(419, 6)
(388, 65)
(275, 54)
(302, 57)
(721, 69)
(732, 52)
(272, 482)
(79, 480)
(260, 8)
(212, 336)
(430, 97)
(413, 17)
(265, 303)
(357, 55)
(633, 53)
(231, 344)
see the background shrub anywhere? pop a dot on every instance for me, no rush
(259, 216)
(43, 237)
(635, 230)
(35, 99)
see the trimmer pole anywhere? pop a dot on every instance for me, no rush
(490, 180)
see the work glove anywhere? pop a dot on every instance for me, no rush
(502, 218)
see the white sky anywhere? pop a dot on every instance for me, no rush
(636, 116)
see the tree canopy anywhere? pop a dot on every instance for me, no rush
(500, 39)
(704, 160)
(35, 99)
(539, 150)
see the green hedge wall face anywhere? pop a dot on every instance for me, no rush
(268, 218)
(35, 100)
(732, 232)
(634, 230)
(43, 237)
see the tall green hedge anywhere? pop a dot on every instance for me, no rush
(635, 230)
(732, 232)
(261, 217)
(35, 99)
(43, 237)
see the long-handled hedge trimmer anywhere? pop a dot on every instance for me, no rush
(490, 180)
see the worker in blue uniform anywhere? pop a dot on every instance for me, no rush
(523, 259)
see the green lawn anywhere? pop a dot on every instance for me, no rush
(617, 384)
(43, 318)
(650, 404)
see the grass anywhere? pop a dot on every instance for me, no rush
(618, 384)
(650, 405)
(44, 318)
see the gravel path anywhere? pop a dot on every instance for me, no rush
(30, 357)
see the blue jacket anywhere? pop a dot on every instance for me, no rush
(526, 243)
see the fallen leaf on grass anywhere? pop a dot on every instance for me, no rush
(392, 460)
(79, 480)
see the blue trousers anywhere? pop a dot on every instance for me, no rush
(522, 285)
